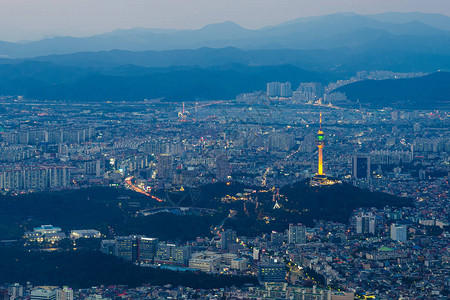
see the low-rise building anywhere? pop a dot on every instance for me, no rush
(205, 261)
(85, 233)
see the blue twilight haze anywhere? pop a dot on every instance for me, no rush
(31, 19)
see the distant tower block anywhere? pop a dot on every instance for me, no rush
(223, 169)
(165, 166)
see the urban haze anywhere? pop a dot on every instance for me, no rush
(224, 149)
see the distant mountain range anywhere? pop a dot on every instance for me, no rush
(103, 78)
(418, 31)
(48, 81)
(428, 92)
(223, 60)
(344, 61)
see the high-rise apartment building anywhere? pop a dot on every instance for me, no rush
(308, 91)
(277, 89)
(276, 238)
(273, 89)
(365, 223)
(399, 232)
(256, 253)
(227, 238)
(361, 166)
(65, 293)
(165, 166)
(297, 234)
(286, 90)
(15, 291)
(281, 141)
(36, 178)
(223, 168)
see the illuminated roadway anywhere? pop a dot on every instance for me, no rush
(139, 190)
(264, 181)
(217, 229)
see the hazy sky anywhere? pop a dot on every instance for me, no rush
(32, 19)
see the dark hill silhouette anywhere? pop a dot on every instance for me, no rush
(431, 92)
(47, 81)
(84, 269)
(362, 51)
(336, 202)
(305, 204)
(101, 208)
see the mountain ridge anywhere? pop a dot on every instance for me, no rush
(428, 92)
(396, 57)
(304, 35)
(47, 81)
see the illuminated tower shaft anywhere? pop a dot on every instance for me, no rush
(320, 144)
(320, 167)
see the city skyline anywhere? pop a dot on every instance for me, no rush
(286, 150)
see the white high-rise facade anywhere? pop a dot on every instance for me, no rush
(365, 223)
(276, 89)
(399, 232)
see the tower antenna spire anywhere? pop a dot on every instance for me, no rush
(320, 121)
